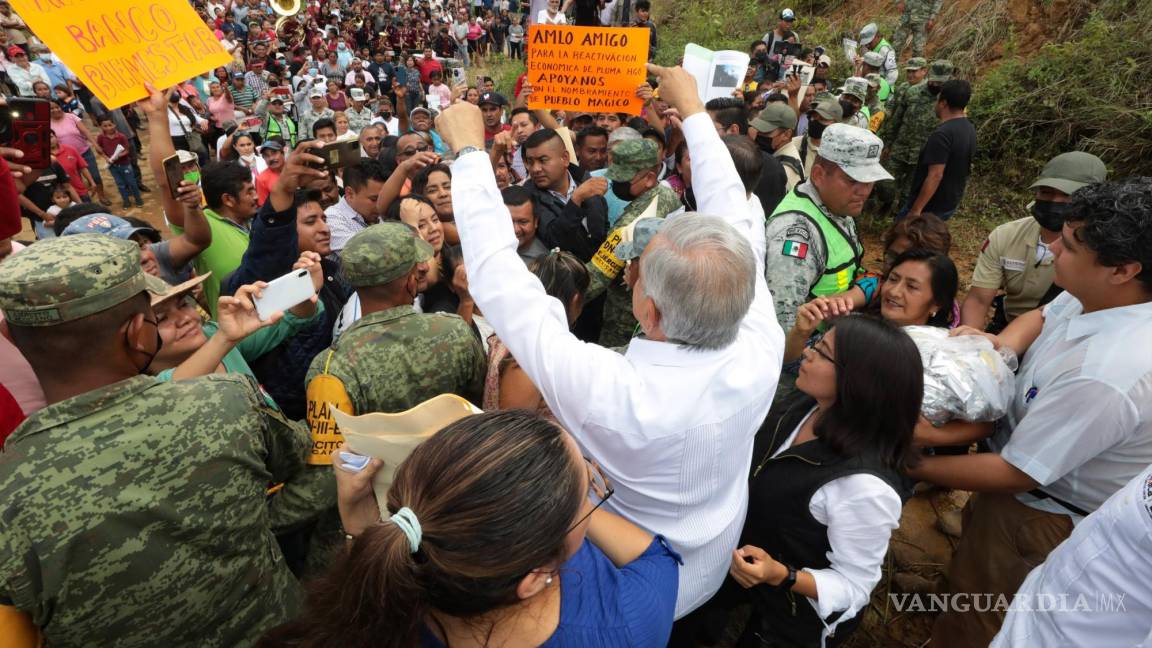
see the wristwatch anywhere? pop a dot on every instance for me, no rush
(466, 150)
(789, 580)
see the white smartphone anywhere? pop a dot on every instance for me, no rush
(284, 292)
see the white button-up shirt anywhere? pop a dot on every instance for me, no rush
(344, 222)
(672, 427)
(1081, 421)
(1095, 589)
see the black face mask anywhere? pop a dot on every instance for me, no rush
(386, 115)
(848, 107)
(1050, 214)
(765, 143)
(159, 345)
(934, 89)
(622, 189)
(815, 128)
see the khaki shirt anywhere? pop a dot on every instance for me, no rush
(1008, 262)
(791, 150)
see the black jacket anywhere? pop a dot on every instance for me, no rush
(272, 250)
(562, 224)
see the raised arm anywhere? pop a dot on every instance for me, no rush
(533, 325)
(160, 147)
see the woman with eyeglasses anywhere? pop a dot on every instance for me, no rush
(495, 535)
(827, 486)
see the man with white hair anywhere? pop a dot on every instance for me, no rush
(672, 420)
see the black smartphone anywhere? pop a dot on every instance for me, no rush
(24, 126)
(335, 154)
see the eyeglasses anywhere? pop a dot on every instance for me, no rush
(823, 354)
(599, 490)
(409, 152)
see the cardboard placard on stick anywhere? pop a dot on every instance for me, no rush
(587, 69)
(116, 46)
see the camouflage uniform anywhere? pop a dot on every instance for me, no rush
(134, 514)
(394, 359)
(629, 157)
(799, 246)
(907, 126)
(915, 19)
(857, 87)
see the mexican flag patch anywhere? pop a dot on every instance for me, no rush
(795, 249)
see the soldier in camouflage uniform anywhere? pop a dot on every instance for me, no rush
(909, 122)
(915, 70)
(394, 358)
(855, 92)
(134, 510)
(634, 167)
(813, 249)
(917, 17)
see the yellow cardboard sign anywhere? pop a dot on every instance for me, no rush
(588, 69)
(116, 46)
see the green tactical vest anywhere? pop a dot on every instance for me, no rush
(844, 253)
(273, 130)
(885, 90)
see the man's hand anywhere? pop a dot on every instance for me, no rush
(645, 92)
(190, 194)
(400, 91)
(461, 125)
(503, 141)
(678, 88)
(157, 101)
(596, 186)
(418, 163)
(311, 261)
(792, 85)
(969, 330)
(18, 170)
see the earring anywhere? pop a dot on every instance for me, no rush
(548, 581)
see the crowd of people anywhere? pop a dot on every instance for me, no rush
(703, 411)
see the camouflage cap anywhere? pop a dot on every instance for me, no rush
(916, 63)
(1069, 172)
(637, 236)
(873, 80)
(940, 71)
(868, 32)
(874, 59)
(828, 107)
(382, 253)
(774, 116)
(65, 279)
(855, 150)
(631, 156)
(857, 87)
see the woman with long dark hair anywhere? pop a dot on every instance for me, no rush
(494, 533)
(827, 485)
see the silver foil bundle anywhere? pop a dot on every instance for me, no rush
(964, 376)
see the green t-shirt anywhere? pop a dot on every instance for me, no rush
(222, 257)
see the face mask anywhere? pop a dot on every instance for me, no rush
(159, 345)
(386, 115)
(765, 143)
(622, 189)
(934, 89)
(174, 99)
(1050, 214)
(815, 128)
(848, 107)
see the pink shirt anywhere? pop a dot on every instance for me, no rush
(222, 109)
(67, 130)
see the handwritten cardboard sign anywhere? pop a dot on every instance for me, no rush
(115, 46)
(588, 69)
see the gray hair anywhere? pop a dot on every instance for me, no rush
(623, 133)
(701, 276)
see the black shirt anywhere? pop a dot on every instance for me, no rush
(952, 144)
(40, 192)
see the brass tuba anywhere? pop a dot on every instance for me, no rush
(287, 8)
(287, 26)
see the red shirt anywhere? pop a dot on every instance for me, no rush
(72, 163)
(108, 145)
(489, 136)
(427, 67)
(264, 183)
